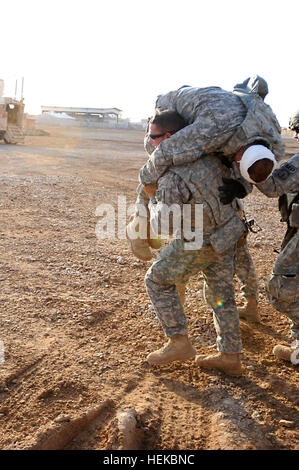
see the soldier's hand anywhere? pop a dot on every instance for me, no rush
(230, 190)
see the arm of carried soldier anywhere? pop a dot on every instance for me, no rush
(185, 146)
(283, 179)
(167, 206)
(148, 146)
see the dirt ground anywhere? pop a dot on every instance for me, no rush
(76, 324)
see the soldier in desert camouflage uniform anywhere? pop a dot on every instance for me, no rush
(220, 122)
(175, 263)
(157, 132)
(283, 284)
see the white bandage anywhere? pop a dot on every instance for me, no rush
(252, 155)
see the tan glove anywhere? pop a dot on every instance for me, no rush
(139, 246)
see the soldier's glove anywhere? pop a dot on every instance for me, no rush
(230, 190)
(140, 245)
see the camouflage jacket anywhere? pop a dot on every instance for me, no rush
(219, 122)
(197, 184)
(284, 182)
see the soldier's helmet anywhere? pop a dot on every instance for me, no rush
(294, 122)
(254, 84)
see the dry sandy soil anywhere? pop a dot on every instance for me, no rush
(76, 323)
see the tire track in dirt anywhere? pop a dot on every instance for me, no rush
(19, 373)
(167, 414)
(171, 414)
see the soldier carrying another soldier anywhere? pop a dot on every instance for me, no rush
(160, 127)
(192, 165)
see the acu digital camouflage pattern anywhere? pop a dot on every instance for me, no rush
(197, 183)
(167, 299)
(222, 226)
(219, 121)
(245, 269)
(174, 265)
(283, 179)
(294, 122)
(255, 84)
(283, 284)
(175, 191)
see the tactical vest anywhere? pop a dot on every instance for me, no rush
(288, 205)
(222, 226)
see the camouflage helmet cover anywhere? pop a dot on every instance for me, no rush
(254, 84)
(294, 122)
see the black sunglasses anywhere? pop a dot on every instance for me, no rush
(156, 136)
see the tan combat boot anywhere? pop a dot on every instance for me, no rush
(250, 312)
(228, 363)
(178, 348)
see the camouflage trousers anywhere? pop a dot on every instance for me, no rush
(245, 270)
(283, 284)
(174, 266)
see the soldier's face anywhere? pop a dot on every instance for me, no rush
(296, 136)
(157, 135)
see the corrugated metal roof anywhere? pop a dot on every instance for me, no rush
(61, 109)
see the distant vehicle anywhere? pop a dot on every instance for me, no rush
(11, 120)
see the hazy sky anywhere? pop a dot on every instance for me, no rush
(123, 53)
